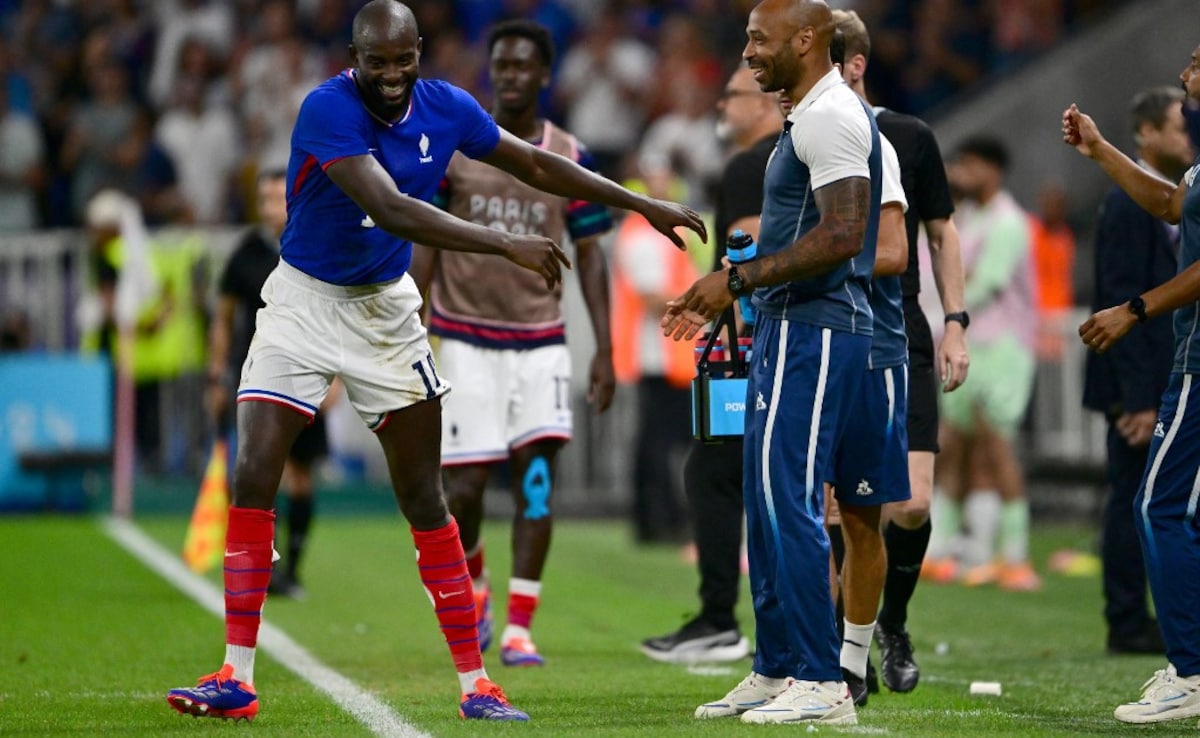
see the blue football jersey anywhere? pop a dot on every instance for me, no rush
(328, 236)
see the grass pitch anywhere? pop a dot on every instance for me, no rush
(90, 641)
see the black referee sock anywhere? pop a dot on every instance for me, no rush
(837, 545)
(905, 552)
(300, 514)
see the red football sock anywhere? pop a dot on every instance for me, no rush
(523, 596)
(247, 572)
(444, 573)
(521, 609)
(475, 561)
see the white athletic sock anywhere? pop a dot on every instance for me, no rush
(982, 513)
(1014, 531)
(527, 587)
(466, 679)
(242, 660)
(856, 646)
(515, 631)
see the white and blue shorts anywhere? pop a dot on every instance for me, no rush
(311, 331)
(502, 399)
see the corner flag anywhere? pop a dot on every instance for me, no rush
(204, 545)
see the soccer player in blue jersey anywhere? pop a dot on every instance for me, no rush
(368, 151)
(811, 342)
(1165, 505)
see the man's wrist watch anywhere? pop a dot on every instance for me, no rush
(736, 284)
(1137, 306)
(961, 317)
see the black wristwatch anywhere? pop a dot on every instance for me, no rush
(736, 284)
(960, 317)
(1137, 306)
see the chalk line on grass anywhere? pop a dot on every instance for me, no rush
(365, 707)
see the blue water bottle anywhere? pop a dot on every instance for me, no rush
(741, 248)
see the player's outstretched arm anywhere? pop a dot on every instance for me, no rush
(1157, 196)
(366, 182)
(559, 175)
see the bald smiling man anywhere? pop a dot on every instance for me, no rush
(812, 338)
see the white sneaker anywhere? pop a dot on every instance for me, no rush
(802, 702)
(751, 692)
(1166, 696)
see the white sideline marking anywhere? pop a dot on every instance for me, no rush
(365, 707)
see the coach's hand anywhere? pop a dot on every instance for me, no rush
(538, 254)
(1080, 131)
(666, 217)
(1137, 428)
(703, 302)
(1106, 327)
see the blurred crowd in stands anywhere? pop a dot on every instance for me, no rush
(183, 102)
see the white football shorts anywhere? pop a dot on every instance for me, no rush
(371, 336)
(502, 399)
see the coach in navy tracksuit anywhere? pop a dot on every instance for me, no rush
(812, 338)
(1167, 501)
(1134, 252)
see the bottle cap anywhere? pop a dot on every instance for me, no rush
(739, 239)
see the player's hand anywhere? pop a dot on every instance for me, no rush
(1080, 131)
(1106, 327)
(1137, 428)
(539, 254)
(703, 302)
(602, 381)
(666, 217)
(953, 361)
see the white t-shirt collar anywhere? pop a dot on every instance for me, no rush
(832, 79)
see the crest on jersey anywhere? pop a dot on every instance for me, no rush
(1190, 177)
(423, 145)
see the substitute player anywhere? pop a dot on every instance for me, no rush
(503, 340)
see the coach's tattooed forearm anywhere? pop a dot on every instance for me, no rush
(844, 206)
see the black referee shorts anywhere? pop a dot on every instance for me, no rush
(923, 384)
